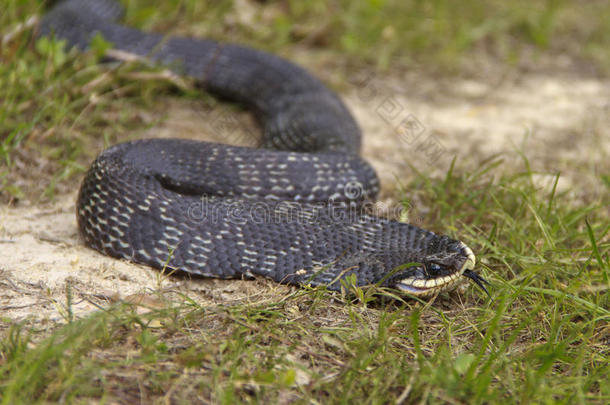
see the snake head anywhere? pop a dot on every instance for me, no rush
(440, 273)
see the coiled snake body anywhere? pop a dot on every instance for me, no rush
(290, 211)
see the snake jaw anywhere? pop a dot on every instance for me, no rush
(426, 285)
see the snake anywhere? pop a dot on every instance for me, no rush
(295, 210)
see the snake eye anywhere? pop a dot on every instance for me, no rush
(435, 270)
(434, 267)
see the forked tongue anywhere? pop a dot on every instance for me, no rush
(478, 280)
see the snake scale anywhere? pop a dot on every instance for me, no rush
(291, 211)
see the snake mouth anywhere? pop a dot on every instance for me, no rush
(437, 277)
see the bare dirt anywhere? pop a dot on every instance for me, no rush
(560, 122)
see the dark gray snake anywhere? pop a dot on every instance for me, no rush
(293, 210)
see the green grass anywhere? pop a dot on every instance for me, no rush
(544, 338)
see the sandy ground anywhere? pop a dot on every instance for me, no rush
(560, 122)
